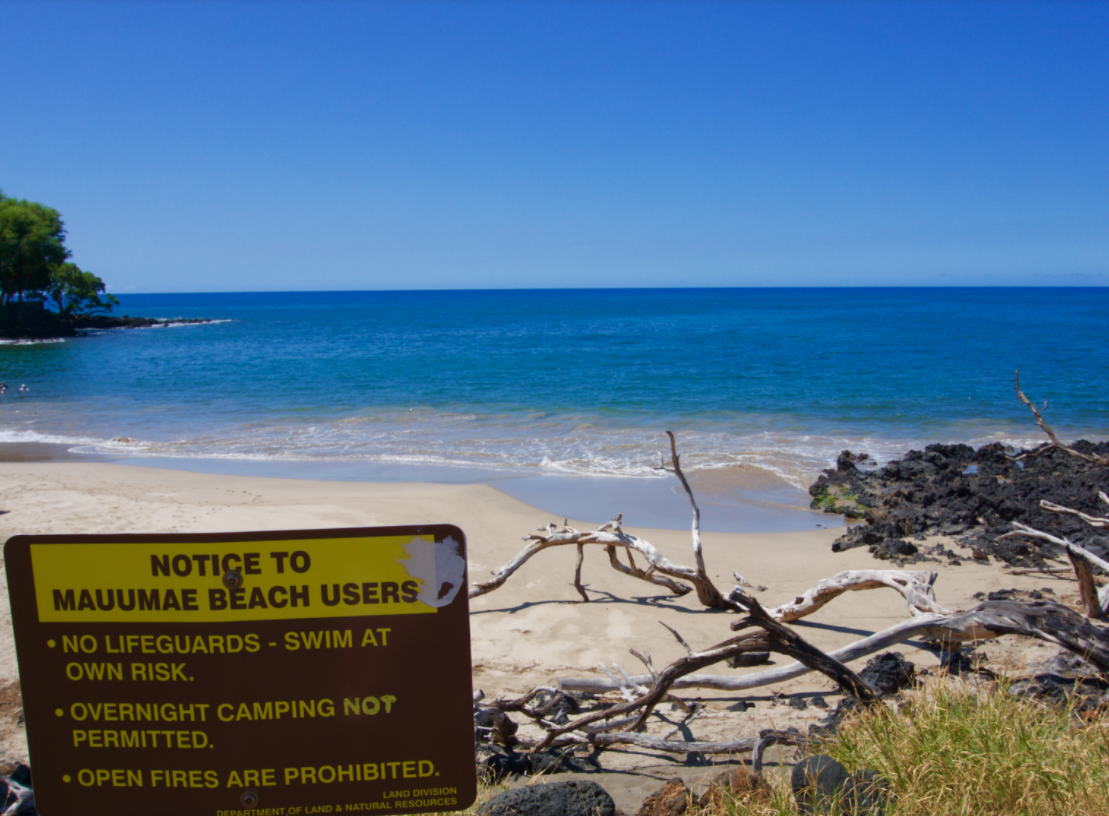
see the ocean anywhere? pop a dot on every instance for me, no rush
(562, 397)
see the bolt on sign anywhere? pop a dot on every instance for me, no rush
(323, 671)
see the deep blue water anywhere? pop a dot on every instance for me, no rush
(773, 381)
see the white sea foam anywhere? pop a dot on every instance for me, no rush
(29, 342)
(506, 443)
(793, 459)
(13, 436)
(178, 323)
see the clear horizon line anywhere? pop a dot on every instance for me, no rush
(613, 289)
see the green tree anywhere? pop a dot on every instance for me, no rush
(72, 291)
(32, 245)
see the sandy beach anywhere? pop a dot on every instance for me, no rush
(534, 629)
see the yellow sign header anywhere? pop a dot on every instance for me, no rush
(208, 582)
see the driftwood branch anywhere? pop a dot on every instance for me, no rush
(1042, 620)
(607, 535)
(768, 738)
(916, 587)
(1055, 441)
(1093, 521)
(678, 637)
(644, 657)
(786, 641)
(741, 746)
(773, 637)
(1095, 601)
(613, 738)
(659, 688)
(24, 797)
(632, 569)
(1087, 587)
(707, 592)
(577, 573)
(672, 746)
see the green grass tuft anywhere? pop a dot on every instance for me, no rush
(952, 752)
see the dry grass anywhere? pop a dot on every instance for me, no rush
(956, 752)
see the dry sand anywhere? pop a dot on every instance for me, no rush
(534, 629)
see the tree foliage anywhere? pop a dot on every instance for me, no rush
(72, 291)
(32, 245)
(34, 262)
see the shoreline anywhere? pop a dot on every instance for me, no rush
(730, 500)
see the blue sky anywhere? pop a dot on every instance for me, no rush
(381, 145)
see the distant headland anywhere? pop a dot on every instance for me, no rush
(32, 320)
(42, 294)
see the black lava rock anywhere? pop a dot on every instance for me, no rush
(1086, 694)
(865, 792)
(578, 798)
(889, 672)
(816, 781)
(955, 490)
(748, 659)
(500, 764)
(822, 785)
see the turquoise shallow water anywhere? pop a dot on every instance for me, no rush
(767, 385)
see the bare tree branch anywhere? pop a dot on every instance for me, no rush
(768, 738)
(645, 659)
(774, 637)
(24, 796)
(679, 638)
(1055, 442)
(708, 594)
(1095, 601)
(577, 573)
(1087, 588)
(916, 587)
(672, 746)
(1093, 521)
(786, 641)
(607, 535)
(1042, 620)
(634, 571)
(679, 668)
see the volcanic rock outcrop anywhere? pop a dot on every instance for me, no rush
(974, 495)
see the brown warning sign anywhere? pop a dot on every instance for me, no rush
(306, 672)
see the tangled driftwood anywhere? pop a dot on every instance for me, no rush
(620, 724)
(1043, 620)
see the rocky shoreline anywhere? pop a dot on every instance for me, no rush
(974, 496)
(86, 322)
(41, 324)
